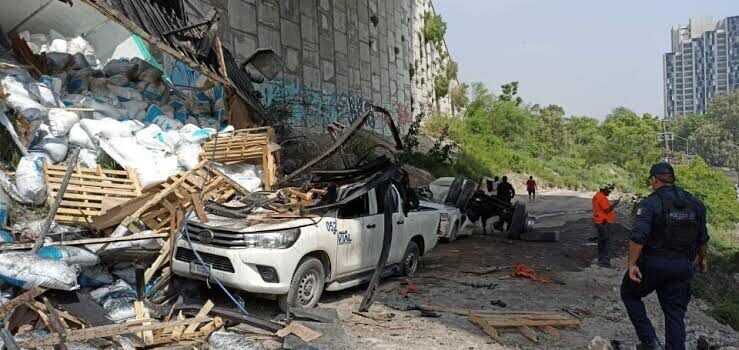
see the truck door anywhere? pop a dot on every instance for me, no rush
(354, 221)
(400, 241)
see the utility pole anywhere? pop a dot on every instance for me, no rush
(664, 137)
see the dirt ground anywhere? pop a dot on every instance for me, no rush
(578, 285)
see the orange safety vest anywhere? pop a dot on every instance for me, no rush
(600, 205)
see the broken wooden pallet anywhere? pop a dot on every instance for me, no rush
(91, 191)
(251, 145)
(165, 210)
(524, 321)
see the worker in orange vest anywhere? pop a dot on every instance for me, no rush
(604, 217)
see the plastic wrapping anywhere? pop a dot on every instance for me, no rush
(61, 121)
(27, 270)
(117, 300)
(29, 180)
(70, 255)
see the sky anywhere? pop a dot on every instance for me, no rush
(588, 56)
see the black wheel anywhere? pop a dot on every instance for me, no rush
(453, 235)
(518, 221)
(465, 194)
(306, 286)
(410, 259)
(454, 189)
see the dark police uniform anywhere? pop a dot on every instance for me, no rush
(671, 224)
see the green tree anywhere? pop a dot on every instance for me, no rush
(724, 111)
(459, 96)
(510, 92)
(714, 143)
(452, 69)
(552, 131)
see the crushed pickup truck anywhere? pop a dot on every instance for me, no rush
(330, 231)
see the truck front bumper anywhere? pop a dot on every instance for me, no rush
(237, 268)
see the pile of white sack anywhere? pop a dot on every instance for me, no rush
(138, 120)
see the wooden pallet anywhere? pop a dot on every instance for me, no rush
(169, 201)
(91, 191)
(250, 145)
(523, 321)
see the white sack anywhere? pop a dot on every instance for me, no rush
(105, 128)
(89, 158)
(28, 270)
(194, 134)
(79, 137)
(58, 45)
(55, 147)
(188, 154)
(61, 121)
(70, 255)
(29, 179)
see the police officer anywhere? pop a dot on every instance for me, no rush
(668, 236)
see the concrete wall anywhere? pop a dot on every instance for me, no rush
(339, 56)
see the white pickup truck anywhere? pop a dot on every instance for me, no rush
(296, 260)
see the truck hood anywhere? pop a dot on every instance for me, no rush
(243, 225)
(440, 207)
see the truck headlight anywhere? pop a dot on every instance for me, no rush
(444, 216)
(272, 240)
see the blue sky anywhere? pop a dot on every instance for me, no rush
(587, 56)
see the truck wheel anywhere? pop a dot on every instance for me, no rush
(454, 189)
(453, 235)
(306, 286)
(410, 259)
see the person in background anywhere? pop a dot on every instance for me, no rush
(505, 190)
(531, 188)
(604, 217)
(496, 183)
(669, 236)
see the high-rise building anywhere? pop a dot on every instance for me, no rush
(704, 63)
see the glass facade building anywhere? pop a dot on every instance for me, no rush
(703, 63)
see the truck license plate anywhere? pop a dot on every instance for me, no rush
(197, 269)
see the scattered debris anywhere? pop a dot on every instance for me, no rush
(598, 343)
(498, 303)
(524, 271)
(410, 288)
(490, 321)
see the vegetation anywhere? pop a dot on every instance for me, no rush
(434, 28)
(501, 134)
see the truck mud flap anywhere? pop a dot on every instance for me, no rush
(391, 205)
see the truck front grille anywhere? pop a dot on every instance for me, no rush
(216, 237)
(216, 262)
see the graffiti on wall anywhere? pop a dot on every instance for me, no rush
(317, 109)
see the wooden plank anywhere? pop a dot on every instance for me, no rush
(27, 296)
(297, 328)
(164, 254)
(199, 208)
(115, 215)
(489, 330)
(202, 313)
(177, 331)
(553, 332)
(143, 314)
(56, 324)
(528, 333)
(133, 237)
(105, 331)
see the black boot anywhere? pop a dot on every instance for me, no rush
(653, 345)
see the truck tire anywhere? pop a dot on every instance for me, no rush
(410, 259)
(465, 194)
(454, 189)
(306, 286)
(518, 221)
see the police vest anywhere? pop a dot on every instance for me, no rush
(676, 230)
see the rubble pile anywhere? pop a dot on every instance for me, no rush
(109, 234)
